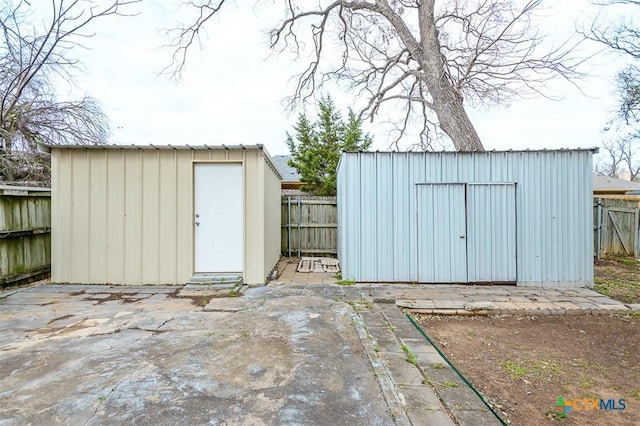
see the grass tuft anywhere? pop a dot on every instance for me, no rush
(411, 357)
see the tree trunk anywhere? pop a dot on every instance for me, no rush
(453, 119)
(447, 102)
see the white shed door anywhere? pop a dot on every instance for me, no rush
(218, 217)
(442, 251)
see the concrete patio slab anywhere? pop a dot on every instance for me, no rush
(285, 359)
(304, 352)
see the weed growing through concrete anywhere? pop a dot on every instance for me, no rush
(367, 305)
(439, 366)
(450, 384)
(360, 306)
(411, 357)
(391, 328)
(376, 348)
(346, 282)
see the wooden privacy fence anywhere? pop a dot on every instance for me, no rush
(309, 225)
(25, 233)
(617, 226)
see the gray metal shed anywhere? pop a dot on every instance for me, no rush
(520, 217)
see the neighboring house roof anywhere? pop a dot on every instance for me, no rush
(613, 185)
(288, 173)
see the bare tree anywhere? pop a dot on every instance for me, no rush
(428, 58)
(622, 37)
(620, 155)
(622, 150)
(31, 57)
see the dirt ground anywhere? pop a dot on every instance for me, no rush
(524, 364)
(618, 278)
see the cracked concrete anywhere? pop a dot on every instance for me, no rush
(281, 354)
(69, 357)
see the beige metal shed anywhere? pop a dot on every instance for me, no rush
(136, 215)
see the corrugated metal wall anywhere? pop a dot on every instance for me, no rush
(125, 215)
(271, 214)
(378, 207)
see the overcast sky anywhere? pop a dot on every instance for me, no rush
(232, 89)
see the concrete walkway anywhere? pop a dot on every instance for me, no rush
(467, 299)
(281, 354)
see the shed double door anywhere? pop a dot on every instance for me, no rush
(218, 217)
(466, 233)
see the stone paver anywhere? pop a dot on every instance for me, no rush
(420, 391)
(467, 299)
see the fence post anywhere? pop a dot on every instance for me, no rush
(636, 221)
(299, 223)
(598, 227)
(289, 226)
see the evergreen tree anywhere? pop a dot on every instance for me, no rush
(317, 146)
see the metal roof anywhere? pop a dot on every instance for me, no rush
(160, 147)
(205, 147)
(594, 150)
